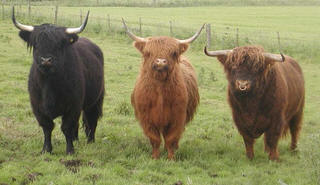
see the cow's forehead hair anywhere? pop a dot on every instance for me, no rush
(250, 56)
(161, 44)
(47, 35)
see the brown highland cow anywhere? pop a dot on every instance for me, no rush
(166, 95)
(266, 95)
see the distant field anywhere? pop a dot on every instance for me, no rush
(211, 151)
(298, 26)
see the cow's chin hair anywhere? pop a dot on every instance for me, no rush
(160, 75)
(48, 72)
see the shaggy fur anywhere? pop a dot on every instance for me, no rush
(71, 82)
(273, 102)
(164, 100)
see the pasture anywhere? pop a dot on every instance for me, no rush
(211, 150)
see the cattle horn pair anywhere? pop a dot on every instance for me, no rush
(31, 28)
(136, 38)
(270, 56)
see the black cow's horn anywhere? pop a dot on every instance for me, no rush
(131, 35)
(19, 25)
(278, 58)
(79, 29)
(194, 37)
(216, 53)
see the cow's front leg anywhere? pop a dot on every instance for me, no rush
(172, 134)
(153, 134)
(249, 142)
(69, 124)
(272, 136)
(47, 126)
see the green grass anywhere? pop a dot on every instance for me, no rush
(211, 151)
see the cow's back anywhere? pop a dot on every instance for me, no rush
(91, 57)
(190, 79)
(291, 83)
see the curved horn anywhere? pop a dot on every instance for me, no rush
(79, 29)
(216, 53)
(131, 35)
(194, 37)
(19, 25)
(278, 58)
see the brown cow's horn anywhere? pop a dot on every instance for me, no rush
(131, 35)
(19, 25)
(194, 37)
(79, 29)
(278, 58)
(216, 53)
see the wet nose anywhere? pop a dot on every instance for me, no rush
(161, 61)
(46, 61)
(243, 84)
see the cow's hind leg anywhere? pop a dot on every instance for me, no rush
(172, 135)
(295, 127)
(47, 127)
(90, 118)
(69, 124)
(248, 142)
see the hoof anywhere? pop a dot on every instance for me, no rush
(155, 154)
(70, 152)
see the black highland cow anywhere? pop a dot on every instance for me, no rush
(65, 78)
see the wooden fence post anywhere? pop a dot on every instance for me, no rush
(171, 32)
(279, 41)
(2, 10)
(109, 23)
(140, 26)
(237, 38)
(29, 9)
(208, 30)
(56, 15)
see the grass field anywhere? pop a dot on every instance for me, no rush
(211, 151)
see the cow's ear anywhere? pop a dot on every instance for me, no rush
(72, 38)
(183, 47)
(139, 45)
(222, 59)
(25, 35)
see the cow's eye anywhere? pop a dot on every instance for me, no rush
(174, 55)
(147, 54)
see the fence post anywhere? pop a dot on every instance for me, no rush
(29, 9)
(208, 30)
(80, 17)
(140, 26)
(2, 10)
(56, 15)
(171, 32)
(109, 23)
(279, 41)
(237, 37)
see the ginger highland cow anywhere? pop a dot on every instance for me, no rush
(165, 96)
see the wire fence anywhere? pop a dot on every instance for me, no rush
(216, 37)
